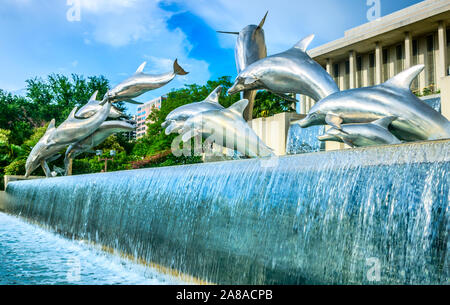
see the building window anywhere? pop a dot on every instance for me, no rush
(371, 71)
(385, 64)
(347, 75)
(398, 59)
(336, 73)
(359, 71)
(430, 64)
(415, 61)
(448, 52)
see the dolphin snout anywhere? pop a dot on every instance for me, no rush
(303, 122)
(325, 137)
(234, 89)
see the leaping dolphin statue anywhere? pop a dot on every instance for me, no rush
(363, 134)
(42, 153)
(415, 119)
(227, 125)
(105, 130)
(92, 106)
(55, 139)
(141, 83)
(292, 71)
(176, 118)
(250, 47)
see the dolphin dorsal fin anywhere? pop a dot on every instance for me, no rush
(213, 97)
(261, 24)
(72, 114)
(141, 68)
(94, 96)
(304, 43)
(405, 78)
(239, 107)
(50, 126)
(385, 122)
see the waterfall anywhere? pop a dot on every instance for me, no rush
(377, 215)
(304, 140)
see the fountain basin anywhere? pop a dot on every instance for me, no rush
(376, 215)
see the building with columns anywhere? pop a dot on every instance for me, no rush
(376, 51)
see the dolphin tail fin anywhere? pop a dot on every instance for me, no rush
(404, 79)
(385, 122)
(177, 68)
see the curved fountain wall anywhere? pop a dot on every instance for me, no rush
(318, 218)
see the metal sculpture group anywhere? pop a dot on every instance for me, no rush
(87, 127)
(384, 114)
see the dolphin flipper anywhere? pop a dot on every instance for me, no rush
(55, 157)
(285, 97)
(334, 121)
(385, 122)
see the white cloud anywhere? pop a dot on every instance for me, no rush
(288, 21)
(121, 23)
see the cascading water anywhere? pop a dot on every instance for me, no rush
(377, 215)
(304, 140)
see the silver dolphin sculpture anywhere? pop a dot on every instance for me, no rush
(176, 118)
(250, 47)
(141, 83)
(42, 152)
(227, 128)
(415, 119)
(292, 71)
(363, 134)
(92, 106)
(55, 139)
(105, 130)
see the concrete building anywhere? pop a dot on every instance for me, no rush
(372, 53)
(143, 111)
(376, 51)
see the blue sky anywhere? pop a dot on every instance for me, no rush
(113, 37)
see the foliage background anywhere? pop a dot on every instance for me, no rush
(24, 119)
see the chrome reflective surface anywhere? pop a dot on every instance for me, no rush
(105, 130)
(227, 128)
(92, 106)
(140, 83)
(292, 71)
(359, 135)
(415, 119)
(176, 118)
(56, 139)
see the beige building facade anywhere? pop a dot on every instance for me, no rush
(376, 51)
